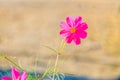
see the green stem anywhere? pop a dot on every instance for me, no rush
(9, 60)
(56, 62)
(60, 50)
(55, 68)
(62, 46)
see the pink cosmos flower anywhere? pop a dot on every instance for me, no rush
(16, 75)
(73, 29)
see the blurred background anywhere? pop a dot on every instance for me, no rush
(26, 25)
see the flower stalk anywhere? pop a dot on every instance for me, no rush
(10, 61)
(60, 51)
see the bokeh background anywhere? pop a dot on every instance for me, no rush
(26, 25)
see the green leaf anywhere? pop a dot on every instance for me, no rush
(46, 73)
(51, 49)
(58, 77)
(30, 77)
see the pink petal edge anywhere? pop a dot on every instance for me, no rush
(24, 76)
(69, 38)
(64, 25)
(82, 26)
(15, 74)
(70, 21)
(82, 34)
(77, 40)
(6, 78)
(78, 20)
(64, 33)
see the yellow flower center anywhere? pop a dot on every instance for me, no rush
(73, 29)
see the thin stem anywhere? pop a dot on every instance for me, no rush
(9, 60)
(60, 50)
(62, 46)
(56, 63)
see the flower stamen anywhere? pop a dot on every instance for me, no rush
(73, 29)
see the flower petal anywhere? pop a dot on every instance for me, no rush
(78, 20)
(82, 26)
(69, 38)
(82, 34)
(70, 21)
(24, 76)
(64, 26)
(6, 78)
(15, 74)
(76, 40)
(64, 33)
